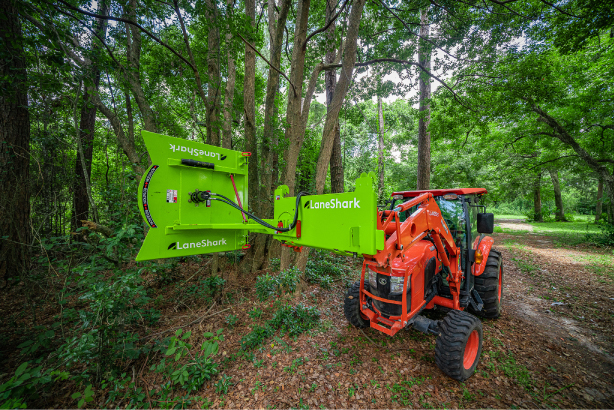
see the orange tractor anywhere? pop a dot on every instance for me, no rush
(436, 254)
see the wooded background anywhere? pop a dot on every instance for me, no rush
(515, 96)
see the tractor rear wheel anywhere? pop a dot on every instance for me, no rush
(490, 286)
(459, 344)
(351, 306)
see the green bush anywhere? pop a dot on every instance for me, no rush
(323, 268)
(206, 289)
(268, 286)
(198, 369)
(291, 319)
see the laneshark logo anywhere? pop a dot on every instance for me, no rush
(205, 243)
(197, 152)
(333, 204)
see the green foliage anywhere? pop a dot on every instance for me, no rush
(205, 290)
(199, 367)
(26, 384)
(323, 268)
(222, 385)
(231, 320)
(268, 286)
(109, 305)
(291, 319)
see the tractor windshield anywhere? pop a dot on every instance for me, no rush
(452, 213)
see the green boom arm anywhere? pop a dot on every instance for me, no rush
(185, 220)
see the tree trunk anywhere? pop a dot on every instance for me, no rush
(14, 147)
(380, 146)
(558, 198)
(424, 135)
(230, 91)
(213, 69)
(332, 116)
(562, 135)
(249, 106)
(330, 80)
(133, 75)
(87, 126)
(293, 111)
(599, 207)
(270, 131)
(537, 199)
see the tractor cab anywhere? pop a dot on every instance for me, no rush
(459, 209)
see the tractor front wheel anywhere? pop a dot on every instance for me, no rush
(459, 344)
(351, 306)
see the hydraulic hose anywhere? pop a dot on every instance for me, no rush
(222, 198)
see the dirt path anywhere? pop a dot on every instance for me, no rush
(536, 355)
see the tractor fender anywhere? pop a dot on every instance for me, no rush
(485, 246)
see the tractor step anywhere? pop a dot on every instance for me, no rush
(390, 327)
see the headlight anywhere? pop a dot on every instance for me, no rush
(396, 284)
(372, 281)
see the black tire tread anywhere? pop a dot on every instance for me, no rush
(455, 329)
(487, 285)
(351, 306)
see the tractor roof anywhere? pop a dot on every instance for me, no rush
(439, 192)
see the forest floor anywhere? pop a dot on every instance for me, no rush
(552, 347)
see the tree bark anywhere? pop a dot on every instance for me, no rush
(230, 90)
(271, 129)
(87, 124)
(293, 110)
(14, 147)
(213, 69)
(249, 106)
(599, 207)
(345, 77)
(558, 198)
(537, 198)
(424, 135)
(380, 146)
(133, 74)
(330, 80)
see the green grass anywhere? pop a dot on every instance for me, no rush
(564, 228)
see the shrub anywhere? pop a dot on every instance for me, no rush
(291, 319)
(198, 369)
(206, 289)
(269, 286)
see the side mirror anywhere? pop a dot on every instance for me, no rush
(486, 223)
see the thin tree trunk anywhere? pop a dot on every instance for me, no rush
(87, 126)
(330, 80)
(332, 115)
(293, 111)
(424, 135)
(249, 105)
(558, 198)
(230, 90)
(82, 161)
(213, 69)
(380, 146)
(345, 77)
(599, 207)
(133, 56)
(537, 198)
(271, 128)
(14, 147)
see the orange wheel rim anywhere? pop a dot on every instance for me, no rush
(500, 282)
(471, 349)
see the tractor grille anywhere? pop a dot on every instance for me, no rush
(383, 291)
